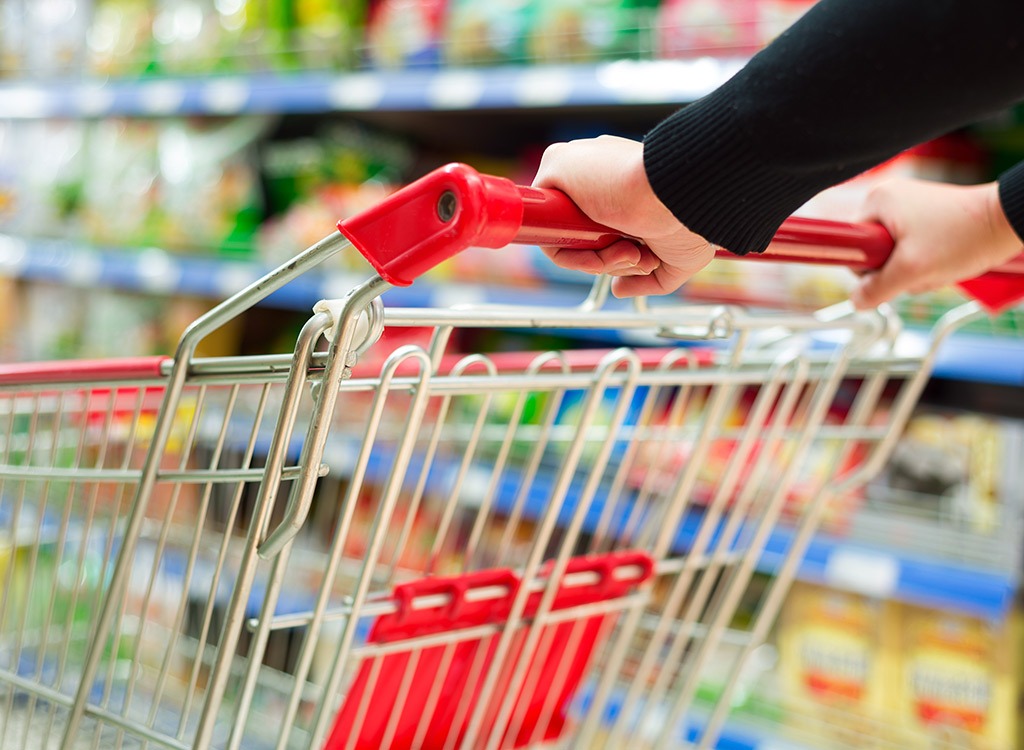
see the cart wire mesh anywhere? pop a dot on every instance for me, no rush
(473, 496)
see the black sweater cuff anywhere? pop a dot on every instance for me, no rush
(851, 84)
(704, 167)
(1011, 196)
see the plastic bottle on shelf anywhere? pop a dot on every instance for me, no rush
(328, 33)
(120, 189)
(243, 35)
(404, 33)
(582, 31)
(702, 28)
(56, 30)
(119, 40)
(491, 33)
(50, 172)
(12, 37)
(208, 197)
(186, 36)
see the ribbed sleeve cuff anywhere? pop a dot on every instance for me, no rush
(1011, 196)
(703, 165)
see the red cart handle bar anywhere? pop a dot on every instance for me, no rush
(456, 207)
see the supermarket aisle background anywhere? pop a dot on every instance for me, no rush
(155, 155)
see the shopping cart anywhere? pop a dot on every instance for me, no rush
(379, 541)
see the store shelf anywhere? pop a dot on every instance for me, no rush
(982, 359)
(155, 271)
(893, 574)
(623, 82)
(885, 573)
(969, 357)
(739, 733)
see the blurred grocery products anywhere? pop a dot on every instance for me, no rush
(58, 322)
(314, 181)
(403, 33)
(487, 33)
(863, 672)
(952, 466)
(129, 37)
(187, 37)
(838, 651)
(701, 27)
(961, 680)
(328, 33)
(188, 185)
(194, 186)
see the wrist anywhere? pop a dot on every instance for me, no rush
(644, 207)
(1004, 242)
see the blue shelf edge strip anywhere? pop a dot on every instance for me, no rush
(155, 271)
(614, 83)
(734, 735)
(932, 583)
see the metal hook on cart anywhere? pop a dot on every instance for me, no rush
(369, 328)
(369, 325)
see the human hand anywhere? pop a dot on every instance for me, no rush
(605, 177)
(943, 234)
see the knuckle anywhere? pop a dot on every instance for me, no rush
(911, 267)
(552, 152)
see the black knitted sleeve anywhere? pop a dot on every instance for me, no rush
(850, 85)
(1011, 195)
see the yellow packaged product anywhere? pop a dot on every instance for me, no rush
(960, 680)
(836, 664)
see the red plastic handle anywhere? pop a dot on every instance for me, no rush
(82, 371)
(551, 218)
(456, 207)
(860, 247)
(433, 219)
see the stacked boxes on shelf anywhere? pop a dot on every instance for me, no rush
(837, 659)
(961, 680)
(862, 672)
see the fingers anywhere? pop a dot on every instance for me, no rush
(607, 180)
(663, 280)
(877, 287)
(618, 259)
(903, 273)
(564, 164)
(871, 291)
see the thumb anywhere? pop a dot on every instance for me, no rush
(882, 285)
(866, 295)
